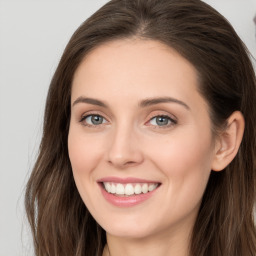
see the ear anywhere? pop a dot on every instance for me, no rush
(228, 142)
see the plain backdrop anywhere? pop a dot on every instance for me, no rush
(33, 35)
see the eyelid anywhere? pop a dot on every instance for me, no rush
(172, 118)
(153, 115)
(92, 113)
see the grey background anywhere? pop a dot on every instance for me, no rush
(33, 35)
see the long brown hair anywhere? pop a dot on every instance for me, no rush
(61, 223)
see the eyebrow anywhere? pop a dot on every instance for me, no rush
(90, 101)
(142, 104)
(154, 101)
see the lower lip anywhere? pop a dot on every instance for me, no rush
(126, 201)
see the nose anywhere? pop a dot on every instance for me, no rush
(124, 148)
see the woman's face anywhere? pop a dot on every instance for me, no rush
(140, 129)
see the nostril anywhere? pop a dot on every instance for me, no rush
(124, 161)
(130, 163)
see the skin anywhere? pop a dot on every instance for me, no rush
(130, 143)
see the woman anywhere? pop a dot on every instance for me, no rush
(149, 142)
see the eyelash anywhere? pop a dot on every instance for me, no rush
(171, 121)
(91, 115)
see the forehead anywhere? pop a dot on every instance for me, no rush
(129, 67)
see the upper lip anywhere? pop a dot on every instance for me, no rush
(126, 180)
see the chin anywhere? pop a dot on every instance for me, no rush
(131, 233)
(127, 229)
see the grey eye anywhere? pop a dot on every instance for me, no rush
(94, 120)
(161, 120)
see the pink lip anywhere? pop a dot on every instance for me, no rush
(126, 180)
(125, 201)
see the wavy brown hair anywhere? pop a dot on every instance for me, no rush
(60, 222)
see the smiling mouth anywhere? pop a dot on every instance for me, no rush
(129, 189)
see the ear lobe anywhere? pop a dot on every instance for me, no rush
(228, 142)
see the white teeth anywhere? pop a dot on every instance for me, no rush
(152, 187)
(113, 189)
(145, 188)
(120, 189)
(108, 187)
(129, 189)
(137, 189)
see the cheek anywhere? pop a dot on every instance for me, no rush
(84, 152)
(183, 150)
(185, 160)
